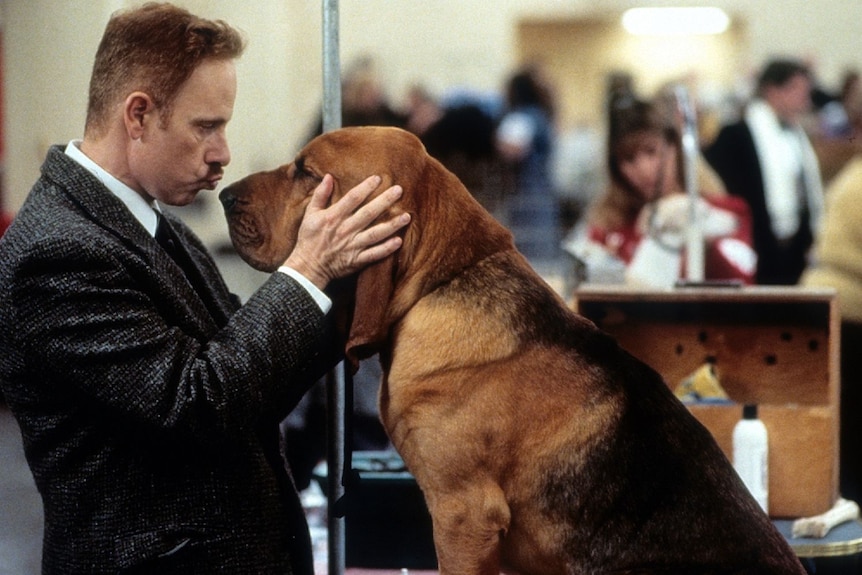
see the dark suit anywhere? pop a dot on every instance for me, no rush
(149, 411)
(734, 157)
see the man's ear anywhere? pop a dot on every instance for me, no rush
(137, 107)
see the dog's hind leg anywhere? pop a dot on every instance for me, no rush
(468, 528)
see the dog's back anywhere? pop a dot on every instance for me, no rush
(627, 480)
(663, 496)
(654, 493)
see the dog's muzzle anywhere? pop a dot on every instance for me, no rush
(227, 199)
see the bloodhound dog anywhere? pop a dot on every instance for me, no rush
(541, 446)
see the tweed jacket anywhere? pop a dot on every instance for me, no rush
(733, 156)
(149, 411)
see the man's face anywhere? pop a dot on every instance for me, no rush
(792, 100)
(178, 156)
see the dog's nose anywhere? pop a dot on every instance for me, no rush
(227, 199)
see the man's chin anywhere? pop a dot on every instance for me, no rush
(186, 196)
(180, 199)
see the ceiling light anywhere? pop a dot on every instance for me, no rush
(667, 21)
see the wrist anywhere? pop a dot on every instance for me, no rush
(311, 273)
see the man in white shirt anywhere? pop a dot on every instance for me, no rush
(767, 159)
(149, 401)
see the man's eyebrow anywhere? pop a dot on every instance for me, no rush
(218, 120)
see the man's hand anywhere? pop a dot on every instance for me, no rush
(338, 240)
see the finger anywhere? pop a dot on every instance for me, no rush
(358, 194)
(376, 207)
(378, 251)
(379, 232)
(321, 194)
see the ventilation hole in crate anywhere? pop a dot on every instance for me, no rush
(813, 345)
(679, 349)
(770, 359)
(786, 336)
(702, 337)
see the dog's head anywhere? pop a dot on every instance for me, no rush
(448, 231)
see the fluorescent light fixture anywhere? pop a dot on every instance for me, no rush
(675, 21)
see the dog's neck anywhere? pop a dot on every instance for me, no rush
(430, 257)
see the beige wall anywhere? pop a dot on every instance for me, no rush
(577, 55)
(49, 47)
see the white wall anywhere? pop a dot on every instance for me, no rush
(49, 47)
(46, 71)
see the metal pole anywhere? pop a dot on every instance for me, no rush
(331, 67)
(335, 392)
(694, 247)
(335, 435)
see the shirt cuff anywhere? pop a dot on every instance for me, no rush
(322, 300)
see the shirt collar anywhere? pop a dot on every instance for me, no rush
(140, 208)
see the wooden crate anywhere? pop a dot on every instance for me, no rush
(776, 347)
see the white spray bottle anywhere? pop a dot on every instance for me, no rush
(751, 455)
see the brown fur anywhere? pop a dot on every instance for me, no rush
(540, 445)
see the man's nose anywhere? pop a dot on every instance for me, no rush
(219, 153)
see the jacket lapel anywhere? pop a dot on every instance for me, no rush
(205, 307)
(203, 276)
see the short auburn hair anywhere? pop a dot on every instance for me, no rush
(153, 48)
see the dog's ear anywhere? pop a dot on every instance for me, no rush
(369, 324)
(375, 287)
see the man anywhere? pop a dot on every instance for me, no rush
(148, 400)
(767, 159)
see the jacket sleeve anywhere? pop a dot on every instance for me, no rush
(96, 327)
(719, 154)
(734, 159)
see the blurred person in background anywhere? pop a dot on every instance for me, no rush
(635, 231)
(525, 138)
(767, 159)
(837, 264)
(842, 117)
(364, 101)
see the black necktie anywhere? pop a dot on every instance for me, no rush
(165, 237)
(169, 241)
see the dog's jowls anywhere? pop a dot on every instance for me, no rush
(540, 445)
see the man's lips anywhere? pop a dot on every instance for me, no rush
(213, 181)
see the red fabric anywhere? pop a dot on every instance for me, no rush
(5, 220)
(719, 261)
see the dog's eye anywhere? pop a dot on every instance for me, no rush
(298, 172)
(303, 171)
